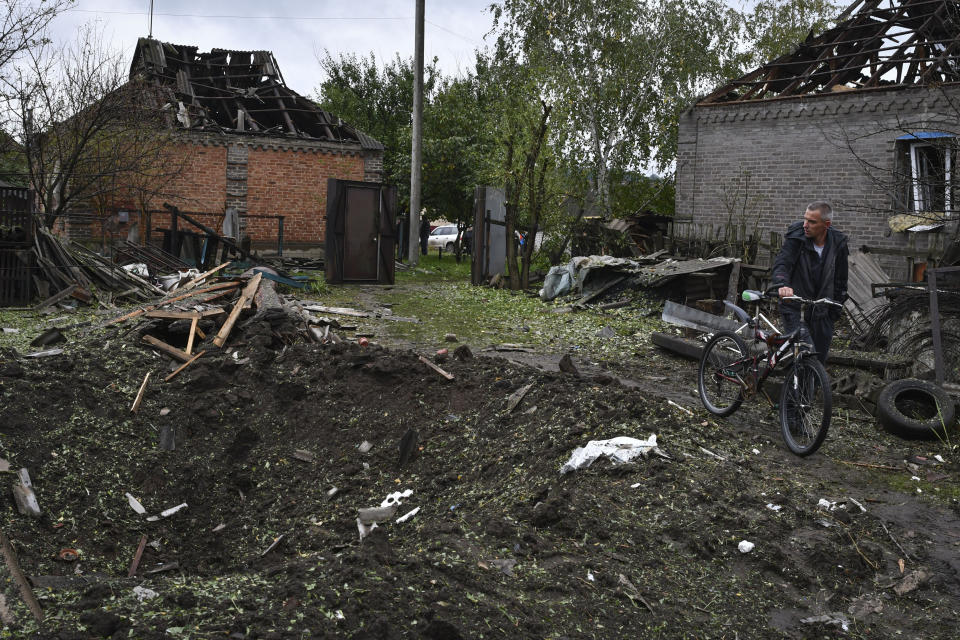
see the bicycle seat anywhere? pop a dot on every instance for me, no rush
(778, 339)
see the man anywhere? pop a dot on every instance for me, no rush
(813, 264)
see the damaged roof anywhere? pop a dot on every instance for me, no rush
(236, 92)
(876, 44)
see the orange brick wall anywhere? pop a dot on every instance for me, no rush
(202, 185)
(294, 184)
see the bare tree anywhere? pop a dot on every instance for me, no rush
(91, 137)
(22, 25)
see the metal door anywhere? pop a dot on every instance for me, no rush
(361, 231)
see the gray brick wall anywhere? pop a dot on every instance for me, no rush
(777, 156)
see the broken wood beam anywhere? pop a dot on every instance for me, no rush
(26, 592)
(170, 350)
(55, 298)
(183, 315)
(202, 276)
(445, 374)
(340, 311)
(183, 366)
(248, 293)
(136, 557)
(193, 334)
(139, 399)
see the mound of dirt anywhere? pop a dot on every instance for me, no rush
(276, 447)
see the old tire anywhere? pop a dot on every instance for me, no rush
(915, 408)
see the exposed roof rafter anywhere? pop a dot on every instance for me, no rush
(236, 91)
(876, 44)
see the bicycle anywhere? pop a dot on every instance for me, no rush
(729, 373)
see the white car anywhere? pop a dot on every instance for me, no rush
(443, 237)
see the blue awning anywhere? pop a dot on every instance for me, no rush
(926, 135)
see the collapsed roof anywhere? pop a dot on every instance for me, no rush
(885, 44)
(236, 91)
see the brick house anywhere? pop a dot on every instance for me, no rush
(864, 115)
(250, 142)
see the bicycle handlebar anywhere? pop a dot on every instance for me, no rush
(755, 296)
(807, 301)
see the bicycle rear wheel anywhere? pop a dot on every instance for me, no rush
(805, 405)
(722, 368)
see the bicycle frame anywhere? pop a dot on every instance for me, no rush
(779, 347)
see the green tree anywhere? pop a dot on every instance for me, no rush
(621, 71)
(776, 27)
(378, 100)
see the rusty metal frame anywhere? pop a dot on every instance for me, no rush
(937, 339)
(877, 44)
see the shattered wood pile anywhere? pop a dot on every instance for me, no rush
(75, 271)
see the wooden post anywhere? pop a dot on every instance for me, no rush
(247, 294)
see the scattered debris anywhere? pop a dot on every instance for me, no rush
(517, 396)
(408, 515)
(745, 546)
(13, 565)
(617, 450)
(139, 398)
(566, 365)
(167, 512)
(303, 455)
(837, 619)
(445, 374)
(24, 496)
(68, 555)
(135, 563)
(408, 444)
(365, 447)
(911, 581)
(143, 593)
(135, 504)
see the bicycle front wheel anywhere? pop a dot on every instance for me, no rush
(805, 405)
(720, 378)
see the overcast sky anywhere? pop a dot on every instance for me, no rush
(295, 30)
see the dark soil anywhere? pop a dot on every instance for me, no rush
(268, 459)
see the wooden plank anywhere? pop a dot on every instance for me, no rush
(172, 315)
(55, 298)
(26, 592)
(448, 376)
(171, 351)
(248, 293)
(201, 277)
(340, 311)
(136, 557)
(139, 399)
(193, 334)
(183, 366)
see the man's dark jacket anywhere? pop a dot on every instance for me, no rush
(798, 266)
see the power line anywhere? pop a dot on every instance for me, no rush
(239, 17)
(261, 17)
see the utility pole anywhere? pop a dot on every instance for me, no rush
(416, 150)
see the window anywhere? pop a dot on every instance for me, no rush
(927, 165)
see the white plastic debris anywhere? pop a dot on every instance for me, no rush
(365, 529)
(915, 478)
(938, 458)
(682, 408)
(135, 504)
(635, 485)
(137, 269)
(408, 515)
(167, 512)
(365, 446)
(756, 451)
(590, 576)
(826, 504)
(10, 330)
(617, 450)
(745, 546)
(142, 593)
(863, 509)
(396, 497)
(774, 507)
(835, 619)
